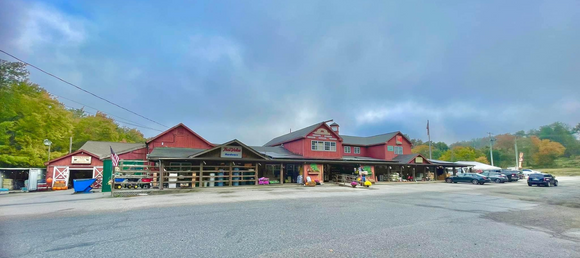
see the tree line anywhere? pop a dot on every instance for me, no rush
(29, 114)
(541, 147)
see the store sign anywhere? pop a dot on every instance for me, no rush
(232, 152)
(81, 160)
(418, 160)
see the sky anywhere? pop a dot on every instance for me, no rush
(253, 70)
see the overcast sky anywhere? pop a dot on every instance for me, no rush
(253, 70)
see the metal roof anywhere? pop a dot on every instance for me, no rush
(103, 149)
(164, 152)
(355, 158)
(406, 158)
(366, 141)
(277, 152)
(293, 135)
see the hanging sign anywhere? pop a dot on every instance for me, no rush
(231, 152)
(81, 160)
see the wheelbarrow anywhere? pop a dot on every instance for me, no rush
(83, 185)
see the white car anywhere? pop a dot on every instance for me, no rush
(527, 172)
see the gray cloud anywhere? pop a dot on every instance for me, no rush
(255, 70)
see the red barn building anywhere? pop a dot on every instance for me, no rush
(318, 151)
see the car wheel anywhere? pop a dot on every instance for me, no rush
(498, 181)
(529, 184)
(474, 182)
(556, 183)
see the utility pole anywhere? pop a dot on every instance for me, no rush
(70, 146)
(491, 148)
(516, 148)
(429, 134)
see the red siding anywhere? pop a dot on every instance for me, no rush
(393, 142)
(377, 151)
(68, 160)
(140, 154)
(179, 137)
(318, 136)
(363, 151)
(296, 147)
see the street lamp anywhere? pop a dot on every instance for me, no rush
(47, 143)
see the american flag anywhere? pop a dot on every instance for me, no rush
(427, 127)
(114, 157)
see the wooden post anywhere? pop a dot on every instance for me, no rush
(161, 173)
(401, 174)
(414, 178)
(281, 173)
(231, 174)
(256, 175)
(389, 173)
(201, 174)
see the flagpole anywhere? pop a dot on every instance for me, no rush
(429, 135)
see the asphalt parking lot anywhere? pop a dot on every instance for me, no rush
(392, 220)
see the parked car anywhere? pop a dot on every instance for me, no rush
(527, 172)
(473, 178)
(495, 176)
(512, 175)
(542, 179)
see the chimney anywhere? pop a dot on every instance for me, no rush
(334, 127)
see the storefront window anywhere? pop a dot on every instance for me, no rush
(323, 146)
(346, 149)
(356, 150)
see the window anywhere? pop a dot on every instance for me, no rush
(346, 149)
(179, 166)
(390, 148)
(398, 150)
(323, 146)
(356, 150)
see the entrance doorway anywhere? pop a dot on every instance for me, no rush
(335, 169)
(79, 174)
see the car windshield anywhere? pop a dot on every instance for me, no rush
(536, 176)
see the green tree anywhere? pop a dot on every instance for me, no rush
(461, 153)
(27, 117)
(12, 72)
(547, 152)
(562, 133)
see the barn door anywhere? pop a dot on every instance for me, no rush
(60, 174)
(98, 174)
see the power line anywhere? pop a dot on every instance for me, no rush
(95, 95)
(127, 120)
(69, 107)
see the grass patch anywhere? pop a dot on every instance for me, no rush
(573, 171)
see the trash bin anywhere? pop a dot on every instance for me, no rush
(83, 185)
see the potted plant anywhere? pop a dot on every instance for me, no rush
(317, 181)
(368, 183)
(353, 184)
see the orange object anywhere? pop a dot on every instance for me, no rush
(49, 180)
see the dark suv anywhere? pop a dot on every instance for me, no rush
(468, 177)
(542, 179)
(497, 177)
(512, 175)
